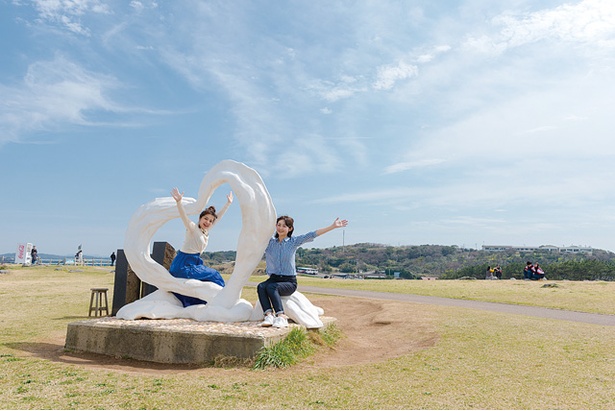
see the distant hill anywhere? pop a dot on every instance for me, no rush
(446, 262)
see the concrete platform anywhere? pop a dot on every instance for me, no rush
(179, 341)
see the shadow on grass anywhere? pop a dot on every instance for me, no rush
(56, 353)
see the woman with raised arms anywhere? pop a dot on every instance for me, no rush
(188, 263)
(280, 260)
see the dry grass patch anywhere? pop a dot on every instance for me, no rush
(394, 355)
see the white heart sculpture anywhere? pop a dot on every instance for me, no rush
(223, 304)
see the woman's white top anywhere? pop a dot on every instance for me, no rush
(196, 240)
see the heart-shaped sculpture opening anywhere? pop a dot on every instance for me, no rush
(258, 222)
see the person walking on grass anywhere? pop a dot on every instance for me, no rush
(280, 267)
(188, 263)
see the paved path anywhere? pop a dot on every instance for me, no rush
(599, 319)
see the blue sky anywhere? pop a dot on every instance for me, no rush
(452, 122)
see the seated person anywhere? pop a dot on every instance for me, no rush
(528, 271)
(538, 273)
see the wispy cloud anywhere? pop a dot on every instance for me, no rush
(408, 165)
(53, 93)
(68, 13)
(388, 75)
(590, 22)
(59, 94)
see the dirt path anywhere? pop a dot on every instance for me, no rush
(370, 327)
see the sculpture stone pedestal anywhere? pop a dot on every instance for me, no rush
(177, 341)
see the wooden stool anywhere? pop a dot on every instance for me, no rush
(96, 302)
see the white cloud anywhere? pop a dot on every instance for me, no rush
(68, 12)
(137, 5)
(306, 155)
(338, 92)
(54, 93)
(369, 196)
(591, 22)
(388, 75)
(408, 165)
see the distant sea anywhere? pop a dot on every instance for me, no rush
(9, 258)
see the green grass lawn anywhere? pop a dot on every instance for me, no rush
(481, 360)
(584, 296)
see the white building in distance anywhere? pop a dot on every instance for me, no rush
(550, 248)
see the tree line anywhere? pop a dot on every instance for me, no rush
(445, 262)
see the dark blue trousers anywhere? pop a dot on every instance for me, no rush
(271, 291)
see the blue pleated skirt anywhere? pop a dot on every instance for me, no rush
(191, 266)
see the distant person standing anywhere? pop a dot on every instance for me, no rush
(79, 256)
(112, 257)
(34, 255)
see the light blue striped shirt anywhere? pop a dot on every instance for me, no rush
(280, 255)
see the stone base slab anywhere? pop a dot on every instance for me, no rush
(178, 341)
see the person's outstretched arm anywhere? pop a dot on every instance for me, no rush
(229, 200)
(336, 224)
(177, 196)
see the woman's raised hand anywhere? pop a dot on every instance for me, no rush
(177, 196)
(340, 223)
(229, 197)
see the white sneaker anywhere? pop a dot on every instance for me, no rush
(268, 321)
(280, 322)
